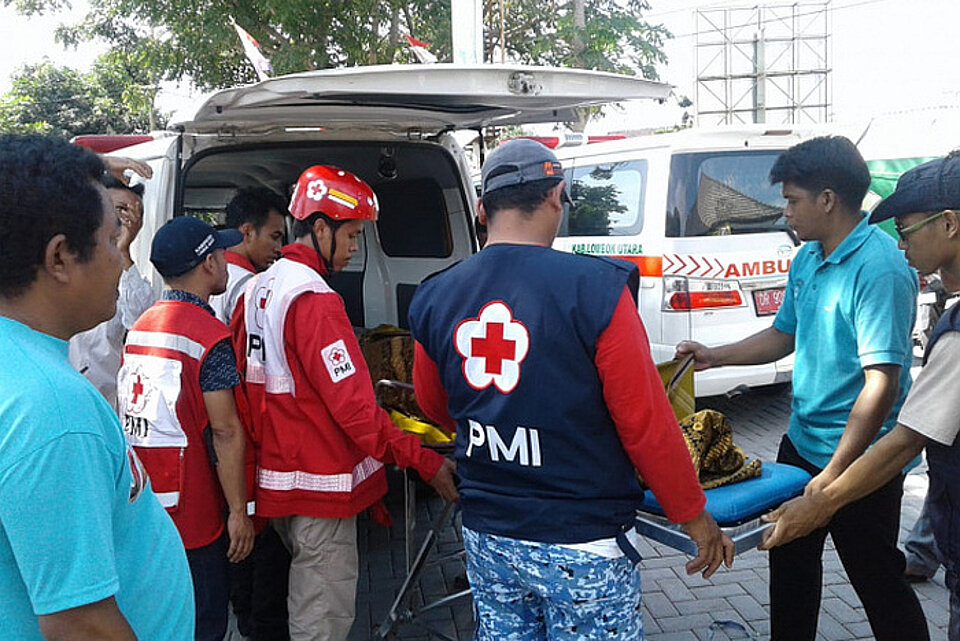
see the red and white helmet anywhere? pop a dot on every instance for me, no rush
(335, 193)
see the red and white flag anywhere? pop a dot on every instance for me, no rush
(419, 49)
(252, 50)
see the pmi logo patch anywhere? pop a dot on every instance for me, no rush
(337, 360)
(492, 346)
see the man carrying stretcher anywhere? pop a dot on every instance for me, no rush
(539, 361)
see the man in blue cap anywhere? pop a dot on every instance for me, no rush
(176, 399)
(926, 206)
(539, 361)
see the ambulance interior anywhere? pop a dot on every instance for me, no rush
(424, 225)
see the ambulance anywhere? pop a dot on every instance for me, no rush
(393, 126)
(695, 211)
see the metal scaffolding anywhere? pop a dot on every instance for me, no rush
(764, 64)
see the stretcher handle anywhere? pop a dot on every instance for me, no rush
(392, 384)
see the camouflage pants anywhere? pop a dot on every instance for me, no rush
(523, 590)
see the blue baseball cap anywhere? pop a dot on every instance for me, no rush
(930, 187)
(516, 162)
(183, 243)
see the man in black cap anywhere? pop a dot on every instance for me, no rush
(176, 399)
(539, 361)
(926, 206)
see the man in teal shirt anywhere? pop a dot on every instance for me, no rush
(86, 551)
(847, 314)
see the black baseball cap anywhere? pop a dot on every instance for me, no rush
(183, 243)
(516, 162)
(930, 187)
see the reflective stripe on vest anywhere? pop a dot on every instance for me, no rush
(165, 340)
(168, 499)
(299, 480)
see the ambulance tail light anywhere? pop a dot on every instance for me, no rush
(105, 143)
(681, 294)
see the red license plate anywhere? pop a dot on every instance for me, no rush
(768, 301)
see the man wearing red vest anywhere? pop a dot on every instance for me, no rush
(176, 396)
(259, 213)
(322, 440)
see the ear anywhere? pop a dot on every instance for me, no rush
(481, 212)
(951, 222)
(58, 259)
(247, 229)
(320, 229)
(828, 200)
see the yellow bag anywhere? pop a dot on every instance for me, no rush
(677, 378)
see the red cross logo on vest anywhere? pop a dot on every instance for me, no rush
(337, 356)
(138, 393)
(261, 299)
(492, 346)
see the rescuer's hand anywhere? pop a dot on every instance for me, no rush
(702, 356)
(240, 531)
(443, 481)
(713, 546)
(116, 166)
(796, 518)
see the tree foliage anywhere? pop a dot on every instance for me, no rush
(114, 97)
(195, 38)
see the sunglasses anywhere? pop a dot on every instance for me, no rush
(903, 232)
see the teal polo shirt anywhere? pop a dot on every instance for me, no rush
(850, 310)
(78, 520)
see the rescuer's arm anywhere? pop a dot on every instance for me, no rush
(228, 444)
(871, 409)
(431, 396)
(651, 436)
(884, 461)
(324, 342)
(765, 346)
(218, 377)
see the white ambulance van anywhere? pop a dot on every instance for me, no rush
(695, 211)
(392, 126)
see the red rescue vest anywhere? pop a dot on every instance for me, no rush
(164, 415)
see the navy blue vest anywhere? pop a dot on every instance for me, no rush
(513, 331)
(944, 462)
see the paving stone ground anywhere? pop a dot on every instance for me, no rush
(677, 607)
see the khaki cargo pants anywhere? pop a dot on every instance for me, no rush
(323, 576)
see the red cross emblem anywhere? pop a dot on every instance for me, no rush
(137, 389)
(261, 299)
(492, 345)
(337, 356)
(493, 348)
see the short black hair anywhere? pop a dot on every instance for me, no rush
(48, 187)
(827, 162)
(526, 196)
(252, 205)
(110, 182)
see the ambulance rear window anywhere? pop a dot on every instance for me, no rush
(607, 199)
(723, 193)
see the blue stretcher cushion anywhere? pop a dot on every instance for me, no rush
(739, 502)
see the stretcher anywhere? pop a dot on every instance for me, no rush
(736, 508)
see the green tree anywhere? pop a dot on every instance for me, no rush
(195, 38)
(111, 98)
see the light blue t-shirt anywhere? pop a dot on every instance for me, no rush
(78, 520)
(854, 309)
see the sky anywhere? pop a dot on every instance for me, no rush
(885, 55)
